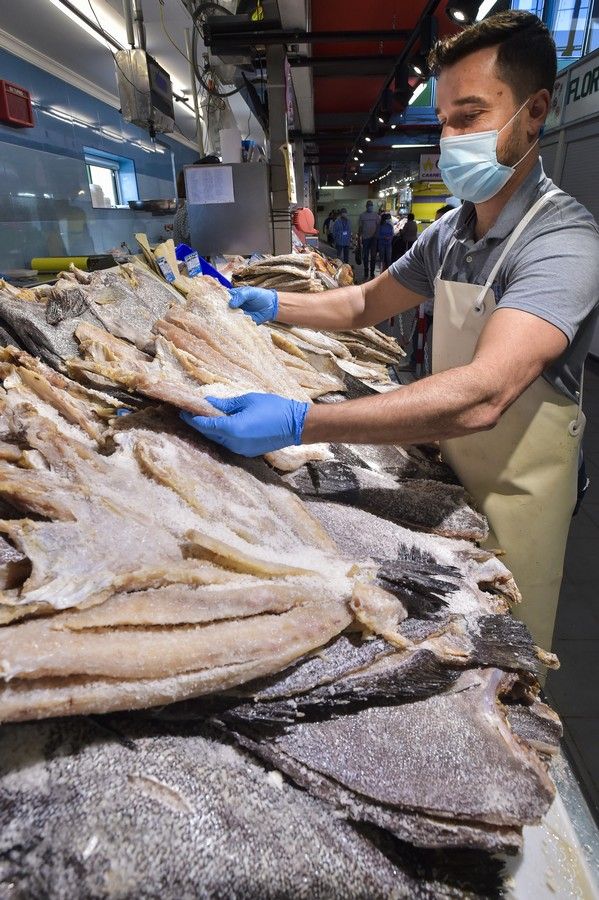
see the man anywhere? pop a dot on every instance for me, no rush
(327, 226)
(409, 232)
(515, 275)
(368, 224)
(342, 236)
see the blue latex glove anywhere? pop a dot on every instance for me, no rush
(254, 424)
(259, 303)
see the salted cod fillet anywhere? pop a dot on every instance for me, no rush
(88, 805)
(128, 530)
(202, 350)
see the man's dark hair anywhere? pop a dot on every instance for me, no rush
(526, 56)
(443, 210)
(411, 217)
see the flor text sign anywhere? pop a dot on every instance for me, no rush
(576, 93)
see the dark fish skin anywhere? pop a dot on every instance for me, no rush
(418, 503)
(536, 724)
(394, 678)
(421, 831)
(451, 756)
(182, 816)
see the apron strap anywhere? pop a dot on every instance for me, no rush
(517, 232)
(445, 255)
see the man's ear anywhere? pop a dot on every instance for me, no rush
(538, 111)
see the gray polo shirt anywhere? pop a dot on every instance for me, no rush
(552, 271)
(368, 224)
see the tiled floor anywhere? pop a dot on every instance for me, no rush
(574, 689)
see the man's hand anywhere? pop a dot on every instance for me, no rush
(254, 424)
(259, 303)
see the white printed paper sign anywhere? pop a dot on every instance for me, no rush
(209, 184)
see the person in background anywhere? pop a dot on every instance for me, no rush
(342, 236)
(368, 224)
(409, 232)
(327, 226)
(385, 240)
(443, 210)
(181, 222)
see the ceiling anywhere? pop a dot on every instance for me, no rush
(348, 85)
(45, 28)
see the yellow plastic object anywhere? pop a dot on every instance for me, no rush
(58, 263)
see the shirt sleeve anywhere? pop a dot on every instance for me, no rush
(556, 277)
(417, 267)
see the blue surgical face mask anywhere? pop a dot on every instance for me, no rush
(469, 165)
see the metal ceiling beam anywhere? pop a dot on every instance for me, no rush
(221, 37)
(340, 66)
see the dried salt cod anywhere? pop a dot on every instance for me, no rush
(439, 772)
(422, 504)
(203, 349)
(154, 586)
(97, 804)
(125, 300)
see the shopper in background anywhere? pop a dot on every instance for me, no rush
(385, 240)
(342, 236)
(327, 226)
(368, 224)
(409, 232)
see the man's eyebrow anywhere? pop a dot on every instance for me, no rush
(467, 101)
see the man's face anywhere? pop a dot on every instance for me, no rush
(369, 207)
(470, 97)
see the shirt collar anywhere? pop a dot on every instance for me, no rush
(512, 212)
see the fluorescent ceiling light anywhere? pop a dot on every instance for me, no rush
(409, 146)
(332, 187)
(340, 182)
(361, 164)
(419, 90)
(87, 11)
(484, 9)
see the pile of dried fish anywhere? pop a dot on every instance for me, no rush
(292, 272)
(375, 665)
(364, 353)
(152, 573)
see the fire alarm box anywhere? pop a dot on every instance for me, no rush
(15, 105)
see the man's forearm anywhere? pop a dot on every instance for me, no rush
(451, 404)
(335, 310)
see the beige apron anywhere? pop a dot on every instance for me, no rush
(523, 472)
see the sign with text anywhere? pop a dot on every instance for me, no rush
(429, 167)
(576, 93)
(582, 98)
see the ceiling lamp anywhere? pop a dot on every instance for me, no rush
(360, 151)
(383, 116)
(356, 158)
(419, 65)
(367, 139)
(463, 11)
(340, 181)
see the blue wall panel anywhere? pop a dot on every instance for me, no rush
(45, 204)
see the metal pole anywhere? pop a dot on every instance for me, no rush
(128, 14)
(194, 92)
(278, 138)
(139, 22)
